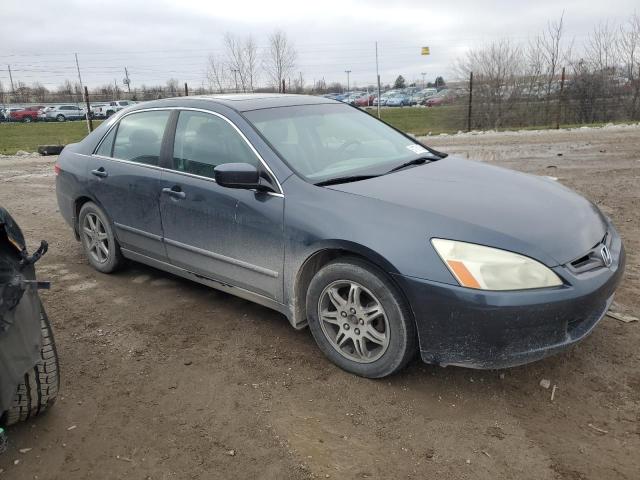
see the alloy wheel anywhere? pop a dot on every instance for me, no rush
(353, 321)
(96, 238)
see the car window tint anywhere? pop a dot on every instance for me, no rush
(204, 141)
(107, 144)
(139, 137)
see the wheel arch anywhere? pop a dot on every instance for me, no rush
(77, 206)
(321, 256)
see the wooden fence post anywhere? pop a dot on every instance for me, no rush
(88, 110)
(470, 101)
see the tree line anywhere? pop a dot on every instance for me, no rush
(523, 83)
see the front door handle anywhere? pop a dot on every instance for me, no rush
(175, 192)
(100, 172)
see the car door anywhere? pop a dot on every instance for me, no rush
(233, 236)
(125, 180)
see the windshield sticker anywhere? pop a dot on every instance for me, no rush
(417, 149)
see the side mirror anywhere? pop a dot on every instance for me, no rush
(237, 175)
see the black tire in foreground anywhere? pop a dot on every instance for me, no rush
(98, 240)
(39, 390)
(359, 319)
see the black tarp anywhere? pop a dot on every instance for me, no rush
(20, 336)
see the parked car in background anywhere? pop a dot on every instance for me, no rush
(398, 100)
(61, 113)
(93, 107)
(28, 114)
(6, 113)
(383, 98)
(443, 97)
(419, 97)
(112, 107)
(365, 100)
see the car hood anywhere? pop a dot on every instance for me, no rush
(475, 202)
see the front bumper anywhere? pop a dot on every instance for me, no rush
(488, 329)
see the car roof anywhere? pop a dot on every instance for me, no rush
(243, 102)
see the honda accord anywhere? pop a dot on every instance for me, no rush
(383, 246)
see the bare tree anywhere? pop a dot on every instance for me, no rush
(251, 62)
(242, 60)
(39, 92)
(629, 54)
(217, 74)
(497, 69)
(280, 58)
(602, 59)
(173, 87)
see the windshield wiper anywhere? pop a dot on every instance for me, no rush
(347, 179)
(415, 161)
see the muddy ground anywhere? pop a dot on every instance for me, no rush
(163, 378)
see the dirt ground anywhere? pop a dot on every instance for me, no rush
(163, 378)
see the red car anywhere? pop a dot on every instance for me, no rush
(365, 100)
(441, 98)
(29, 114)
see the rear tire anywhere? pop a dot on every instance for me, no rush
(39, 390)
(359, 319)
(60, 118)
(105, 257)
(27, 119)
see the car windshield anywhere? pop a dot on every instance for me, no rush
(327, 141)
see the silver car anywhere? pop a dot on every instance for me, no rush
(62, 113)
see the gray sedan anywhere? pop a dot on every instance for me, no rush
(381, 245)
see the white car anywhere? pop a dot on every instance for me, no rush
(112, 107)
(61, 113)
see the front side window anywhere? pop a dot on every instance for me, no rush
(139, 137)
(328, 141)
(204, 141)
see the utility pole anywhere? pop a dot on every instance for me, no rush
(423, 75)
(347, 72)
(378, 77)
(186, 89)
(235, 77)
(79, 76)
(127, 80)
(13, 90)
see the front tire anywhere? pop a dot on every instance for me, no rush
(39, 390)
(27, 119)
(359, 319)
(60, 118)
(98, 240)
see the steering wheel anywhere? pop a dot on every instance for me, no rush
(349, 143)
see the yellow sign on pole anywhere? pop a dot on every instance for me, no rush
(425, 51)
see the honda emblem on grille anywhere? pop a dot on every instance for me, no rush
(606, 256)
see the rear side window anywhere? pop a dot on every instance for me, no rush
(139, 137)
(106, 147)
(204, 141)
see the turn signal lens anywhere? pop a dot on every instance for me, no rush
(486, 268)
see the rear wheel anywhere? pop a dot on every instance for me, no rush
(60, 118)
(39, 390)
(27, 119)
(98, 239)
(359, 319)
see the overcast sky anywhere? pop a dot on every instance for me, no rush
(157, 40)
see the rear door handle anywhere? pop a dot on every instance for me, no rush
(100, 172)
(175, 192)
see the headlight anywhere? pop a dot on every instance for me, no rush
(486, 268)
